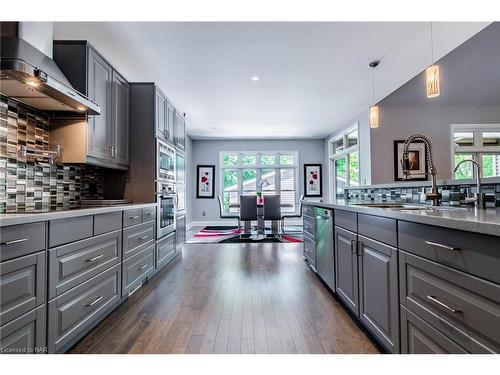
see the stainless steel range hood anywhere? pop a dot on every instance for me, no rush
(31, 77)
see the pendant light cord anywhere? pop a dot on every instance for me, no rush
(373, 86)
(432, 46)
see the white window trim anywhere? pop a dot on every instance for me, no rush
(258, 166)
(332, 157)
(478, 149)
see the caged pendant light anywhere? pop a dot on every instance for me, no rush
(374, 109)
(432, 84)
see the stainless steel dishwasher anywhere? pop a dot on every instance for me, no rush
(324, 246)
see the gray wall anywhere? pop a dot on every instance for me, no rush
(364, 150)
(435, 122)
(207, 152)
(190, 178)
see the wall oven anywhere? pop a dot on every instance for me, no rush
(166, 201)
(165, 162)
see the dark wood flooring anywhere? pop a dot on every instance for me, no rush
(230, 298)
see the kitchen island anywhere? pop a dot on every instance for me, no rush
(420, 279)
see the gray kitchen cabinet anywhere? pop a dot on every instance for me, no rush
(22, 285)
(107, 134)
(62, 231)
(378, 291)
(137, 268)
(346, 268)
(180, 232)
(19, 240)
(180, 131)
(170, 122)
(99, 89)
(161, 114)
(72, 264)
(73, 312)
(309, 251)
(26, 334)
(120, 120)
(107, 222)
(136, 238)
(165, 250)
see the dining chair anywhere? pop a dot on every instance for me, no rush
(291, 215)
(248, 209)
(272, 210)
(229, 215)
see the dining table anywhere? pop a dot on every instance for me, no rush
(261, 226)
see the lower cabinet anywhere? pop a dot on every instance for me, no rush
(419, 337)
(165, 250)
(346, 268)
(180, 232)
(137, 268)
(378, 291)
(73, 312)
(26, 334)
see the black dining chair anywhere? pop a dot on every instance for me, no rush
(248, 209)
(291, 215)
(272, 210)
(229, 215)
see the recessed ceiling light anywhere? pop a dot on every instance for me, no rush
(80, 108)
(32, 83)
(255, 78)
(212, 128)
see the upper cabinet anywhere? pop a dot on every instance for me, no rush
(179, 131)
(107, 134)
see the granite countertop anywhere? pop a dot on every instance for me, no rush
(486, 221)
(7, 219)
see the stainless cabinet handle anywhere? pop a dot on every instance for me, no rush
(14, 241)
(447, 247)
(142, 267)
(143, 238)
(95, 258)
(434, 299)
(149, 214)
(134, 217)
(94, 301)
(355, 251)
(110, 151)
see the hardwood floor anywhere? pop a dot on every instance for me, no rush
(230, 298)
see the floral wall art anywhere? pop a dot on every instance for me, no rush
(312, 180)
(205, 181)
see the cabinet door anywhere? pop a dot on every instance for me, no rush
(346, 268)
(26, 334)
(121, 95)
(180, 168)
(164, 251)
(180, 233)
(99, 128)
(179, 131)
(161, 114)
(170, 122)
(378, 291)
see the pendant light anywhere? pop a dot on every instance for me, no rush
(432, 83)
(374, 110)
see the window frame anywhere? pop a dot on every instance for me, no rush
(258, 166)
(344, 154)
(477, 150)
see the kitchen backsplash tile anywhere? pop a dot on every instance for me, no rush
(33, 186)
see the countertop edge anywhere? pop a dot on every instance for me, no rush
(8, 219)
(483, 227)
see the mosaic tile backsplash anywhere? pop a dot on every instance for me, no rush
(452, 194)
(34, 186)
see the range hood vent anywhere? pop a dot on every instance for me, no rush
(31, 77)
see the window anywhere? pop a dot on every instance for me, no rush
(246, 173)
(479, 142)
(344, 161)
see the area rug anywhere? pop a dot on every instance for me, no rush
(233, 234)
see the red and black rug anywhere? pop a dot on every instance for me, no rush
(233, 234)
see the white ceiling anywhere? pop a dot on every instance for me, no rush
(314, 77)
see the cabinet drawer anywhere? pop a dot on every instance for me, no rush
(382, 229)
(308, 211)
(310, 251)
(26, 334)
(22, 285)
(132, 217)
(419, 337)
(309, 226)
(72, 264)
(473, 253)
(165, 250)
(72, 229)
(454, 302)
(148, 214)
(108, 222)
(346, 219)
(74, 311)
(19, 240)
(137, 267)
(135, 238)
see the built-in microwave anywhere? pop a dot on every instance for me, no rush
(166, 201)
(165, 162)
